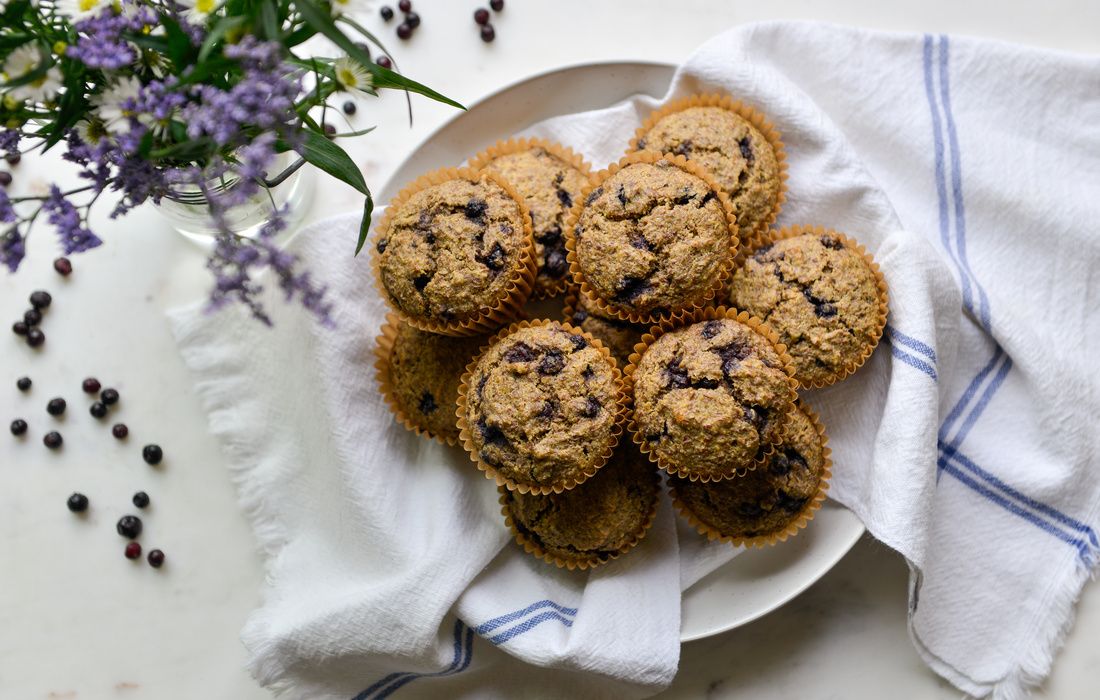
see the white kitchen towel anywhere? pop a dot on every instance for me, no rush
(971, 169)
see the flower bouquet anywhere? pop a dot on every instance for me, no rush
(154, 98)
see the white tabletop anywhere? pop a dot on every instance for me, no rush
(79, 621)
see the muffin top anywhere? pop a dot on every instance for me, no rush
(652, 239)
(594, 521)
(451, 249)
(549, 186)
(731, 149)
(821, 297)
(542, 405)
(617, 335)
(769, 498)
(424, 373)
(709, 398)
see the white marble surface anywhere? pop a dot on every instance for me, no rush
(78, 621)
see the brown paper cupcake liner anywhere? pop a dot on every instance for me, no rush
(797, 523)
(578, 207)
(880, 283)
(466, 435)
(682, 321)
(516, 291)
(534, 548)
(514, 145)
(749, 114)
(383, 352)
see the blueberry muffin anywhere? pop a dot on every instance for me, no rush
(420, 372)
(821, 295)
(653, 237)
(709, 398)
(768, 500)
(617, 335)
(550, 178)
(452, 248)
(715, 133)
(592, 523)
(541, 407)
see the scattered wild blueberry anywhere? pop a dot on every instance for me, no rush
(53, 440)
(497, 5)
(13, 158)
(18, 426)
(35, 337)
(78, 503)
(109, 397)
(404, 31)
(133, 550)
(405, 5)
(384, 61)
(56, 406)
(5, 179)
(349, 108)
(23, 383)
(386, 12)
(156, 558)
(330, 130)
(40, 299)
(91, 385)
(120, 431)
(152, 454)
(129, 526)
(20, 328)
(481, 15)
(32, 317)
(63, 267)
(413, 20)
(488, 33)
(141, 499)
(364, 47)
(98, 409)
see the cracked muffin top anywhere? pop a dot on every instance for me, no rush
(617, 335)
(542, 405)
(451, 250)
(549, 186)
(769, 498)
(424, 373)
(710, 398)
(652, 239)
(731, 149)
(595, 521)
(822, 298)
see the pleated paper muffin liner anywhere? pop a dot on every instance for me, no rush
(880, 284)
(563, 153)
(383, 353)
(750, 114)
(518, 288)
(797, 522)
(720, 280)
(466, 434)
(683, 321)
(534, 548)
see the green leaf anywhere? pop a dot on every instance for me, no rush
(335, 161)
(224, 25)
(364, 225)
(180, 49)
(319, 19)
(10, 41)
(269, 20)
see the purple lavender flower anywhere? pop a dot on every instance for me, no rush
(100, 43)
(7, 212)
(12, 249)
(9, 140)
(75, 237)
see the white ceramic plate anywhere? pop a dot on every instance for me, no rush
(758, 581)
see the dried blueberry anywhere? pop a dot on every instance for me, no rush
(413, 20)
(549, 409)
(711, 329)
(831, 242)
(565, 198)
(404, 31)
(53, 440)
(494, 259)
(421, 281)
(746, 149)
(579, 317)
(630, 288)
(579, 342)
(18, 426)
(491, 434)
(405, 5)
(683, 148)
(56, 407)
(381, 246)
(77, 503)
(386, 12)
(152, 454)
(120, 431)
(129, 526)
(520, 352)
(90, 385)
(497, 5)
(488, 33)
(98, 409)
(40, 299)
(349, 108)
(709, 196)
(141, 499)
(621, 195)
(555, 264)
(23, 383)
(732, 355)
(475, 209)
(552, 363)
(427, 402)
(156, 558)
(35, 337)
(789, 503)
(384, 61)
(705, 383)
(20, 328)
(63, 267)
(109, 397)
(593, 196)
(676, 377)
(481, 15)
(32, 317)
(592, 407)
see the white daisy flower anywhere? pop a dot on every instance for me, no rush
(91, 131)
(108, 103)
(349, 7)
(24, 60)
(80, 9)
(198, 11)
(351, 75)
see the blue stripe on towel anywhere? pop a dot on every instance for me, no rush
(911, 342)
(490, 625)
(914, 362)
(463, 652)
(529, 624)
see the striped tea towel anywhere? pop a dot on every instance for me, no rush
(971, 170)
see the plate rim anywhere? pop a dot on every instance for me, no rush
(857, 529)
